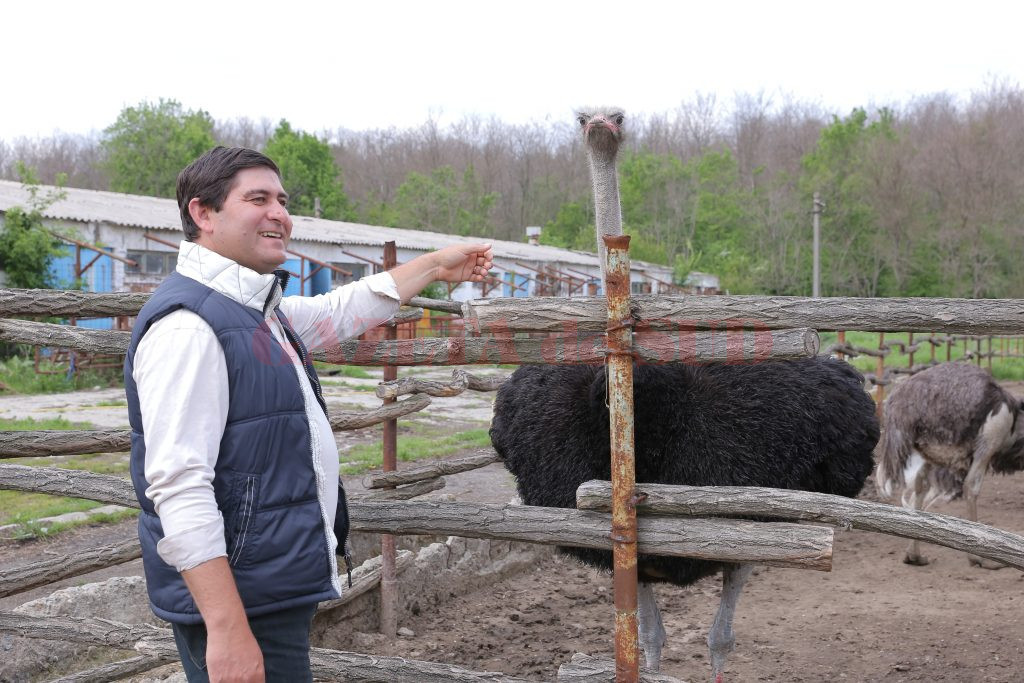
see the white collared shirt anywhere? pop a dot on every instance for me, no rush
(182, 382)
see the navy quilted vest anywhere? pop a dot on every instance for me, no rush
(264, 482)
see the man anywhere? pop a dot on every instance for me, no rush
(233, 458)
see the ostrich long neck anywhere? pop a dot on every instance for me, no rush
(607, 211)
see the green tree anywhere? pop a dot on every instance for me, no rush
(657, 193)
(692, 215)
(26, 248)
(572, 228)
(149, 144)
(845, 169)
(721, 221)
(308, 173)
(444, 202)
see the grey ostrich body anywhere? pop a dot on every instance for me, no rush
(801, 424)
(945, 427)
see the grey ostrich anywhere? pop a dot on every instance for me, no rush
(944, 428)
(804, 424)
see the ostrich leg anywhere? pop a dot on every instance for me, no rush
(987, 446)
(650, 629)
(720, 638)
(915, 501)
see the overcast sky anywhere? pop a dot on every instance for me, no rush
(72, 66)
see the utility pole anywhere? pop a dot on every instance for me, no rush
(818, 206)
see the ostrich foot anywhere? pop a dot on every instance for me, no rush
(984, 563)
(651, 630)
(916, 559)
(721, 640)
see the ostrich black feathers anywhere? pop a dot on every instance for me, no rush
(805, 424)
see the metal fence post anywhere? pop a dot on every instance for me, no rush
(620, 409)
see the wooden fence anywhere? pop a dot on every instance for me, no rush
(668, 330)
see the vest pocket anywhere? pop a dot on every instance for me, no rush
(241, 519)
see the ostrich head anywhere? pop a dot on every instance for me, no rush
(602, 132)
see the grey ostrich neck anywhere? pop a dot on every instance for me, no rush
(607, 211)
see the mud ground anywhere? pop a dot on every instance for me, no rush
(872, 618)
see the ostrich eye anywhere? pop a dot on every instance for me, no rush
(618, 119)
(581, 119)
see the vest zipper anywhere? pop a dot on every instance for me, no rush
(315, 456)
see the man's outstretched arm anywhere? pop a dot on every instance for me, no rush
(457, 263)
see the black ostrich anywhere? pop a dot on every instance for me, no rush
(805, 424)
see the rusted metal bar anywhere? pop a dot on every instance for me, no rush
(322, 264)
(92, 247)
(620, 407)
(910, 347)
(388, 571)
(841, 339)
(159, 240)
(363, 258)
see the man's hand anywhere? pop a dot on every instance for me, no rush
(458, 263)
(232, 653)
(463, 262)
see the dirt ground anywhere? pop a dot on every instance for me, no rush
(872, 618)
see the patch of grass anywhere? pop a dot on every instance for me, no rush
(29, 424)
(353, 387)
(32, 529)
(19, 375)
(116, 403)
(1002, 368)
(329, 370)
(434, 443)
(35, 528)
(17, 507)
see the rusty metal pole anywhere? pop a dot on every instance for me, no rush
(910, 352)
(388, 578)
(620, 409)
(841, 339)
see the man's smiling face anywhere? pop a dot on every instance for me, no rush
(253, 226)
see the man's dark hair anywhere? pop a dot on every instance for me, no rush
(210, 177)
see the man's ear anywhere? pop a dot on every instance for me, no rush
(200, 214)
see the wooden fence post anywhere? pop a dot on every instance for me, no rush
(880, 375)
(388, 575)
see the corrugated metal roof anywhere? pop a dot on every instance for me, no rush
(157, 213)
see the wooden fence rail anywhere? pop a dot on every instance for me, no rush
(41, 443)
(653, 346)
(786, 545)
(558, 526)
(952, 532)
(80, 304)
(558, 314)
(152, 641)
(552, 314)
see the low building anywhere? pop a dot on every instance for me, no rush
(121, 242)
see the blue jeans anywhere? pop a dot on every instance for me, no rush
(283, 638)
